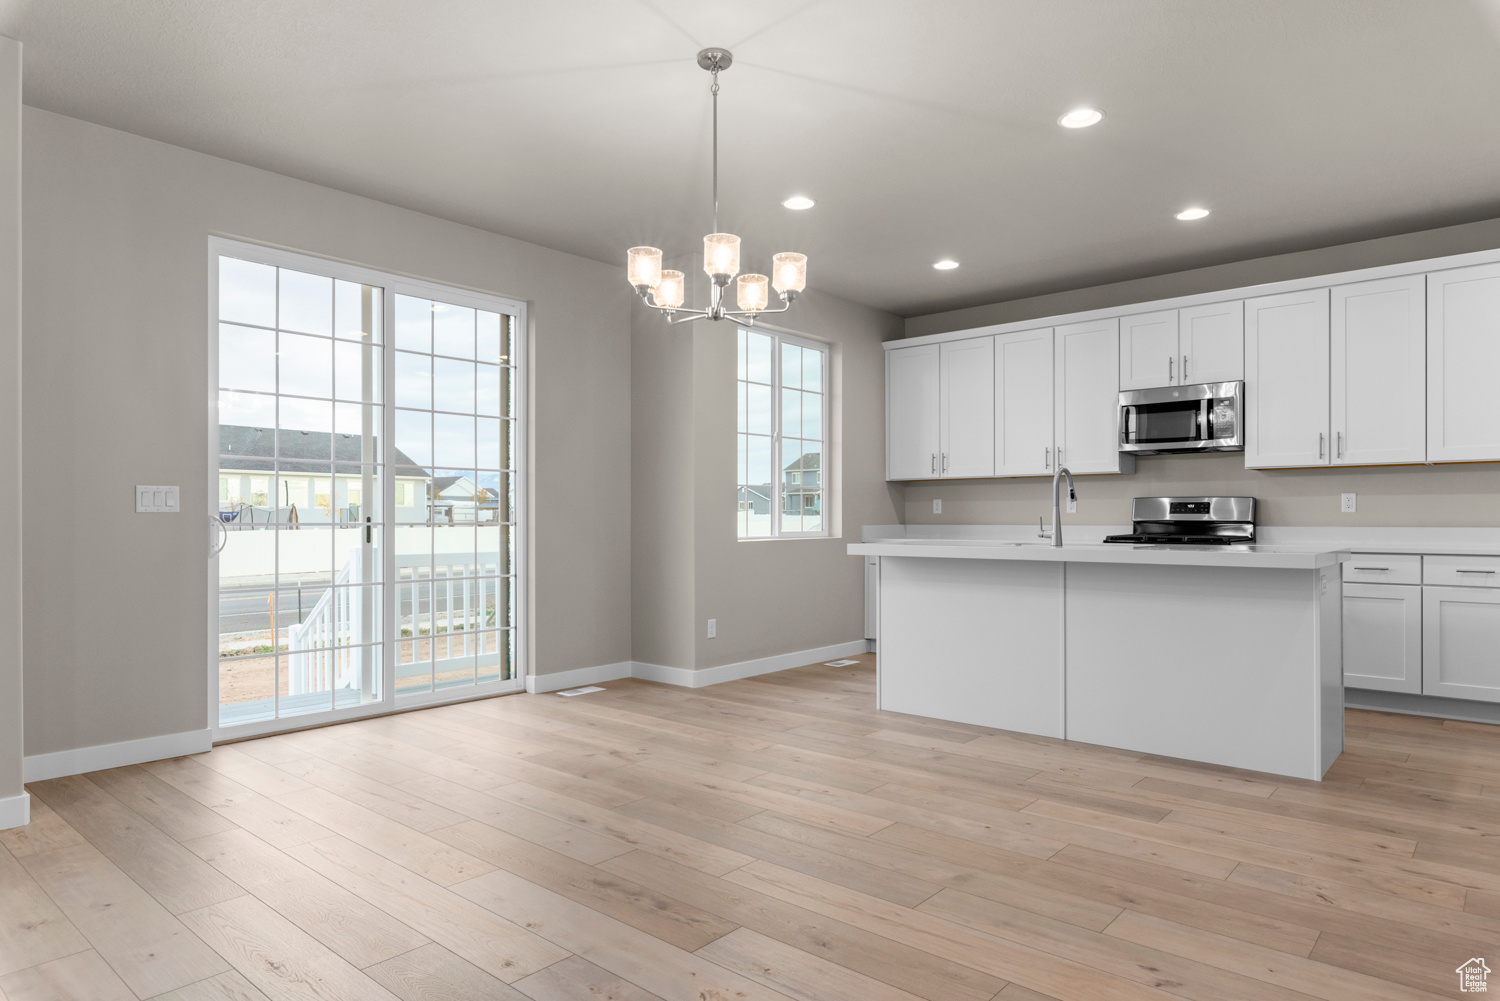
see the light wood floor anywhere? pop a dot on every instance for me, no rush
(764, 839)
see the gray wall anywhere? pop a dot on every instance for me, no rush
(10, 419)
(783, 595)
(116, 370)
(1445, 495)
(769, 597)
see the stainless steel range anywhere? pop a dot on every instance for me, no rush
(1190, 521)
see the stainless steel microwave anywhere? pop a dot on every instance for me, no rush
(1209, 417)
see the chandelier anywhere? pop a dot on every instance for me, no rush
(667, 290)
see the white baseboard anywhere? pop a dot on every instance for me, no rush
(15, 811)
(746, 668)
(577, 678)
(686, 677)
(40, 767)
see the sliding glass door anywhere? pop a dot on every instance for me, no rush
(369, 547)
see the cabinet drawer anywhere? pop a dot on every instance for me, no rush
(1383, 568)
(1462, 571)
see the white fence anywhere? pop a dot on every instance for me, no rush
(327, 651)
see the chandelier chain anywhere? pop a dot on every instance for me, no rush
(714, 90)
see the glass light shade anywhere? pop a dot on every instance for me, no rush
(752, 292)
(721, 254)
(643, 265)
(671, 290)
(790, 271)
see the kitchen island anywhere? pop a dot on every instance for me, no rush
(1229, 655)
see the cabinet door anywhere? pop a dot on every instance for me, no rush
(1463, 364)
(967, 394)
(911, 412)
(1212, 340)
(1148, 350)
(1383, 637)
(1378, 377)
(1023, 403)
(1086, 377)
(1286, 380)
(1460, 634)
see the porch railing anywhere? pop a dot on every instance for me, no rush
(328, 649)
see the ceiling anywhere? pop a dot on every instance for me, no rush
(924, 128)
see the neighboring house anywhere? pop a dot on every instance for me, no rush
(802, 485)
(756, 499)
(320, 489)
(455, 498)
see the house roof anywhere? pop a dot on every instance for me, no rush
(807, 460)
(248, 448)
(442, 483)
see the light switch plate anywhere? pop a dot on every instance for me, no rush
(937, 506)
(1346, 504)
(713, 628)
(157, 500)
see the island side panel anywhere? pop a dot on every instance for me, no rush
(1220, 665)
(1331, 666)
(973, 641)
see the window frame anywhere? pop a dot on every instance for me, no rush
(778, 463)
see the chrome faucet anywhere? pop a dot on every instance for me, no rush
(1056, 512)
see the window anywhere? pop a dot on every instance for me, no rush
(783, 438)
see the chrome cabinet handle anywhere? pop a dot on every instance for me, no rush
(1169, 368)
(1472, 571)
(1047, 457)
(1372, 568)
(1184, 366)
(1339, 445)
(934, 463)
(945, 462)
(1320, 444)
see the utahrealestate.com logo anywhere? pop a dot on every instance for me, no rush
(1471, 976)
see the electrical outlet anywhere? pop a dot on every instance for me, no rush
(1072, 505)
(1347, 504)
(937, 506)
(713, 628)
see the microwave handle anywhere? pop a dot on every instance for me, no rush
(1203, 430)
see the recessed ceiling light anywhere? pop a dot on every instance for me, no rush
(799, 202)
(946, 264)
(1188, 215)
(1081, 118)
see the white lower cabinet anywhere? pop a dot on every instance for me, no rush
(1383, 637)
(1461, 642)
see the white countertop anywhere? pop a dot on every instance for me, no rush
(1280, 557)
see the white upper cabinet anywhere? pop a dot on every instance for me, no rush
(1378, 383)
(1086, 396)
(1177, 347)
(967, 392)
(911, 412)
(1286, 380)
(1463, 364)
(1023, 403)
(1148, 350)
(1211, 343)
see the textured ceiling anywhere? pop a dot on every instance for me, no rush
(923, 128)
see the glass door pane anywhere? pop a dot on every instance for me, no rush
(300, 484)
(455, 441)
